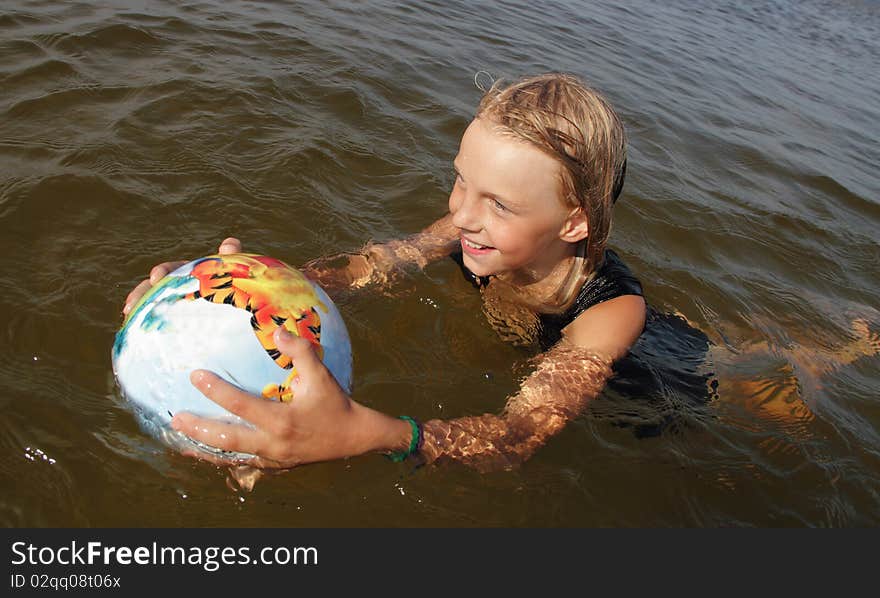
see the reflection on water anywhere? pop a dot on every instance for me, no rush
(129, 137)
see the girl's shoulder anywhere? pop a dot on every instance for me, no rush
(613, 279)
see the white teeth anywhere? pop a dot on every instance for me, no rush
(473, 245)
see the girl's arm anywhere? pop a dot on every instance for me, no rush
(379, 262)
(323, 423)
(375, 265)
(567, 378)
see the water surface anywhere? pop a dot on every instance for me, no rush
(135, 132)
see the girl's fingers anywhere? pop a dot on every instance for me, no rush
(258, 411)
(221, 435)
(230, 245)
(301, 351)
(135, 295)
(156, 274)
(162, 270)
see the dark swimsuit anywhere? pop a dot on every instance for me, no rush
(666, 365)
(613, 279)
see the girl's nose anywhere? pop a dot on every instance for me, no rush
(466, 214)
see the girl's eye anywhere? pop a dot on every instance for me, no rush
(499, 206)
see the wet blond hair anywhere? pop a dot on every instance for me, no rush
(574, 124)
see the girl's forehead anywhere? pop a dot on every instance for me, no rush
(499, 159)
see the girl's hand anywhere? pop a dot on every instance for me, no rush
(321, 423)
(342, 271)
(230, 245)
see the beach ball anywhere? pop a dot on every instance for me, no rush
(219, 313)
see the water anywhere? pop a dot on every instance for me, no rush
(136, 132)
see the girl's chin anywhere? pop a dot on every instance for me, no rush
(479, 267)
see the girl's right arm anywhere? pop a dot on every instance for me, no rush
(376, 264)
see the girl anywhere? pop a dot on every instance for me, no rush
(537, 173)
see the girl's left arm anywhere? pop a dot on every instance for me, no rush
(323, 423)
(567, 378)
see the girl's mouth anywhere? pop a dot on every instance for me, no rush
(474, 248)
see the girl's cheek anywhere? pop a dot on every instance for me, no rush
(500, 236)
(513, 240)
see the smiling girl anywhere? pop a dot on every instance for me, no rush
(537, 173)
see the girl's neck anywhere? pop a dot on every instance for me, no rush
(541, 283)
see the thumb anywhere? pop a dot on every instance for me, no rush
(300, 350)
(229, 245)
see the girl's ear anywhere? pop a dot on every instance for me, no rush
(576, 227)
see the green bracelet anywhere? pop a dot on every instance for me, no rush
(415, 441)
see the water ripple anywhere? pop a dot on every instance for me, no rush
(130, 137)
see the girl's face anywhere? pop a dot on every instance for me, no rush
(506, 205)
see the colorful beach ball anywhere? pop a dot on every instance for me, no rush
(219, 313)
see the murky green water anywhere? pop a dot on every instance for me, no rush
(136, 132)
